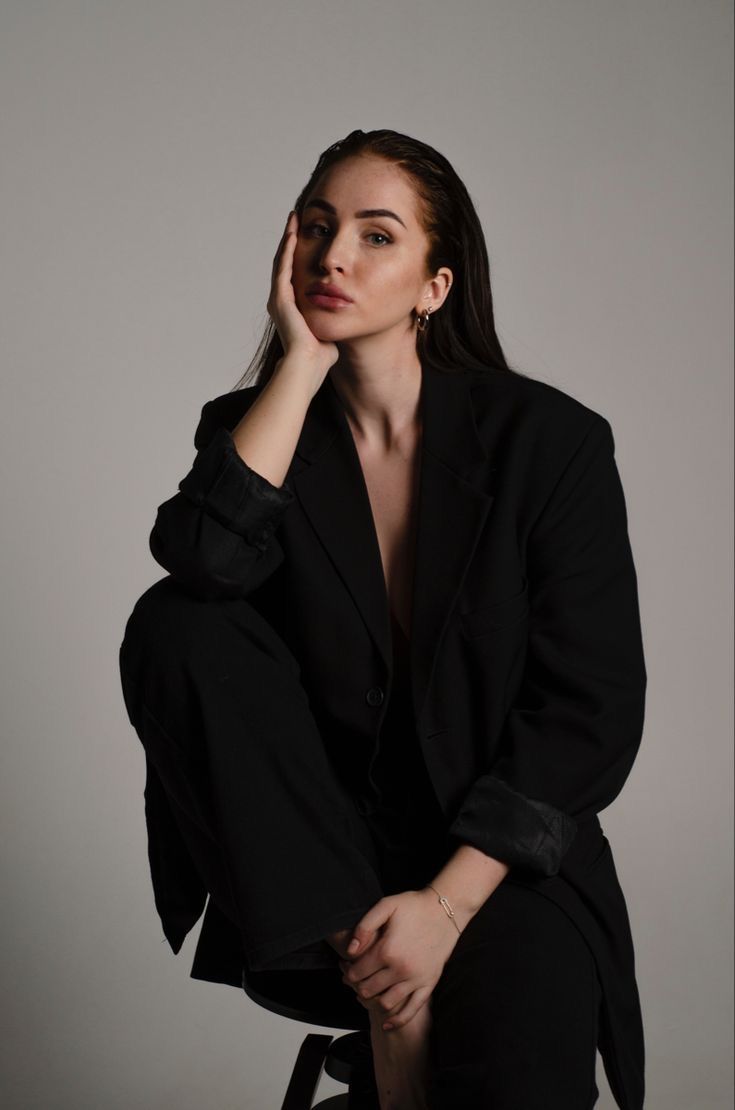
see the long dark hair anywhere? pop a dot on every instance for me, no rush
(462, 335)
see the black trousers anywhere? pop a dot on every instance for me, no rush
(288, 854)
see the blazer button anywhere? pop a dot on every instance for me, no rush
(374, 696)
(364, 805)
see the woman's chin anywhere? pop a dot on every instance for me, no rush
(324, 330)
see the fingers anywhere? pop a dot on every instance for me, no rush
(373, 983)
(387, 1003)
(282, 261)
(354, 971)
(365, 938)
(402, 1015)
(377, 989)
(288, 241)
(374, 919)
(283, 240)
(392, 1001)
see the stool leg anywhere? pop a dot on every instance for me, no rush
(363, 1092)
(307, 1072)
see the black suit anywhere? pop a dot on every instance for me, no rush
(527, 663)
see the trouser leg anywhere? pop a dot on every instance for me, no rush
(515, 1012)
(214, 694)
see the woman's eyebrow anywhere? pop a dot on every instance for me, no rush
(364, 214)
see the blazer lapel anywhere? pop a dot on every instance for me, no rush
(331, 488)
(453, 504)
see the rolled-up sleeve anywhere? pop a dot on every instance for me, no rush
(216, 534)
(574, 729)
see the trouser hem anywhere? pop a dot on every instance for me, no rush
(307, 947)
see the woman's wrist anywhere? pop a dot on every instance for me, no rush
(302, 369)
(466, 882)
(456, 919)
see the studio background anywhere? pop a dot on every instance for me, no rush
(151, 153)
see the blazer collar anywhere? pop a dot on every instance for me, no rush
(453, 504)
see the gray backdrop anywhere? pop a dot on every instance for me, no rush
(151, 152)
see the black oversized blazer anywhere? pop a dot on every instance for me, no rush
(527, 662)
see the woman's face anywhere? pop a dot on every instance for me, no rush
(377, 260)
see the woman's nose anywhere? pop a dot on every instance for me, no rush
(334, 254)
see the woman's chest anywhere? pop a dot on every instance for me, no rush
(392, 483)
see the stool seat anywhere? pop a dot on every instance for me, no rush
(319, 997)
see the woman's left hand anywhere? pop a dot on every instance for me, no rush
(404, 961)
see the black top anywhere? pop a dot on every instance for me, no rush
(394, 770)
(408, 822)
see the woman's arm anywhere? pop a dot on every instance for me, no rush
(215, 536)
(569, 741)
(266, 436)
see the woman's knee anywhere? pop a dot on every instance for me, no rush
(174, 642)
(160, 621)
(167, 620)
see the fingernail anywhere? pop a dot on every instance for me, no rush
(387, 1025)
(353, 945)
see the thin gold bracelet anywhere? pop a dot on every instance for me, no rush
(447, 907)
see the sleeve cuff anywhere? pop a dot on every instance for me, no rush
(222, 484)
(522, 832)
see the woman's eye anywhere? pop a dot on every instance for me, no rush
(311, 228)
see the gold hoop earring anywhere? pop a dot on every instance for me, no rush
(423, 320)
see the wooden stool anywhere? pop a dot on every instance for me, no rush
(319, 997)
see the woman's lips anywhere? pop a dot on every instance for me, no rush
(327, 302)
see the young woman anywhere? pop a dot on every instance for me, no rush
(396, 668)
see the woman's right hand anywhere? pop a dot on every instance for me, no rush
(295, 334)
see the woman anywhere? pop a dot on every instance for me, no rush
(396, 669)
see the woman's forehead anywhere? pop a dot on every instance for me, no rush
(349, 188)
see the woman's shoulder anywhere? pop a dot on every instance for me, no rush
(530, 409)
(536, 429)
(504, 401)
(524, 392)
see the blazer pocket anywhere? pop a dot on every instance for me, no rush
(498, 614)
